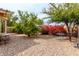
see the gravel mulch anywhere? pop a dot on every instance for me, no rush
(44, 45)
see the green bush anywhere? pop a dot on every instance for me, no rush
(27, 24)
(18, 28)
(31, 30)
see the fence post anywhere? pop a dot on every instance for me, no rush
(5, 26)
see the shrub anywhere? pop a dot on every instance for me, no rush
(28, 23)
(31, 30)
(18, 28)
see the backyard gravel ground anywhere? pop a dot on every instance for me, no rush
(44, 45)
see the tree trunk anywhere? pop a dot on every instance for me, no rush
(28, 35)
(0, 26)
(78, 36)
(68, 31)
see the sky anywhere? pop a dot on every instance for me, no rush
(31, 7)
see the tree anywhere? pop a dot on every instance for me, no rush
(12, 19)
(12, 22)
(66, 12)
(29, 22)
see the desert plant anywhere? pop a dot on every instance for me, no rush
(17, 28)
(29, 22)
(66, 12)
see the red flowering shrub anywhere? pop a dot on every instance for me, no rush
(44, 28)
(53, 29)
(57, 29)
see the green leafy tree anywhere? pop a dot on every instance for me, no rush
(29, 22)
(12, 22)
(12, 19)
(66, 12)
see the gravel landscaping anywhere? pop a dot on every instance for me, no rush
(44, 45)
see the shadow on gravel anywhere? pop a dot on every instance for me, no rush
(16, 45)
(46, 37)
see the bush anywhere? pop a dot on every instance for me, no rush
(27, 24)
(31, 30)
(52, 29)
(18, 28)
